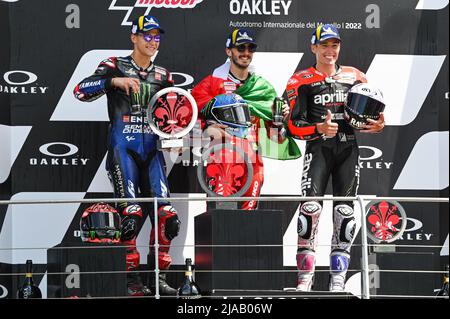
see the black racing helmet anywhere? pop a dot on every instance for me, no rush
(100, 223)
(363, 102)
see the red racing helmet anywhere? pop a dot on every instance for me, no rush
(100, 223)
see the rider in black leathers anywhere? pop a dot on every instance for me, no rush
(317, 97)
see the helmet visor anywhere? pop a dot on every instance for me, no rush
(103, 221)
(364, 105)
(234, 115)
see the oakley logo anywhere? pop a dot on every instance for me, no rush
(3, 292)
(372, 158)
(188, 80)
(44, 149)
(268, 8)
(31, 77)
(414, 231)
(417, 225)
(376, 153)
(19, 83)
(56, 158)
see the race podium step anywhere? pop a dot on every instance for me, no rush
(238, 248)
(86, 270)
(289, 293)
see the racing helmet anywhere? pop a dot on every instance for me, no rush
(100, 223)
(363, 102)
(230, 110)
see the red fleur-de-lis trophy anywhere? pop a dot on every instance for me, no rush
(172, 114)
(225, 171)
(386, 221)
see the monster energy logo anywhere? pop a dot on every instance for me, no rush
(140, 100)
(277, 111)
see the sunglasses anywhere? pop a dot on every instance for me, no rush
(250, 47)
(149, 37)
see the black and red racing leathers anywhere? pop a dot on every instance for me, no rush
(311, 93)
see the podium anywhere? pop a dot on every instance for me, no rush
(228, 255)
(278, 294)
(87, 270)
(410, 283)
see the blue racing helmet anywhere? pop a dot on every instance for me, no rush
(230, 110)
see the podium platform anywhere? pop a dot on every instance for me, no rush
(238, 246)
(86, 270)
(278, 294)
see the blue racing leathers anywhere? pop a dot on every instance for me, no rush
(135, 166)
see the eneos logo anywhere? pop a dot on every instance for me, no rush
(149, 4)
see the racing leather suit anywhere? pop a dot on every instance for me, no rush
(135, 166)
(215, 85)
(311, 93)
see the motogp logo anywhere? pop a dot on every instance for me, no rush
(149, 4)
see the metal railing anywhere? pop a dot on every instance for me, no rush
(359, 199)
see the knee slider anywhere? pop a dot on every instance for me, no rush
(168, 218)
(130, 221)
(344, 221)
(308, 219)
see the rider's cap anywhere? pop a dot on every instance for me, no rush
(324, 32)
(240, 36)
(145, 23)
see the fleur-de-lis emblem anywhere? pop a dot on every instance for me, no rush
(172, 113)
(383, 219)
(225, 178)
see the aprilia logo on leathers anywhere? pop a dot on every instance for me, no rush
(326, 99)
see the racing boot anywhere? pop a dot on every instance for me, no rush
(306, 267)
(135, 286)
(339, 262)
(337, 283)
(164, 288)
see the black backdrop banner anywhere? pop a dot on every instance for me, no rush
(54, 146)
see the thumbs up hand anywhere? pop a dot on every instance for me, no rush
(327, 128)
